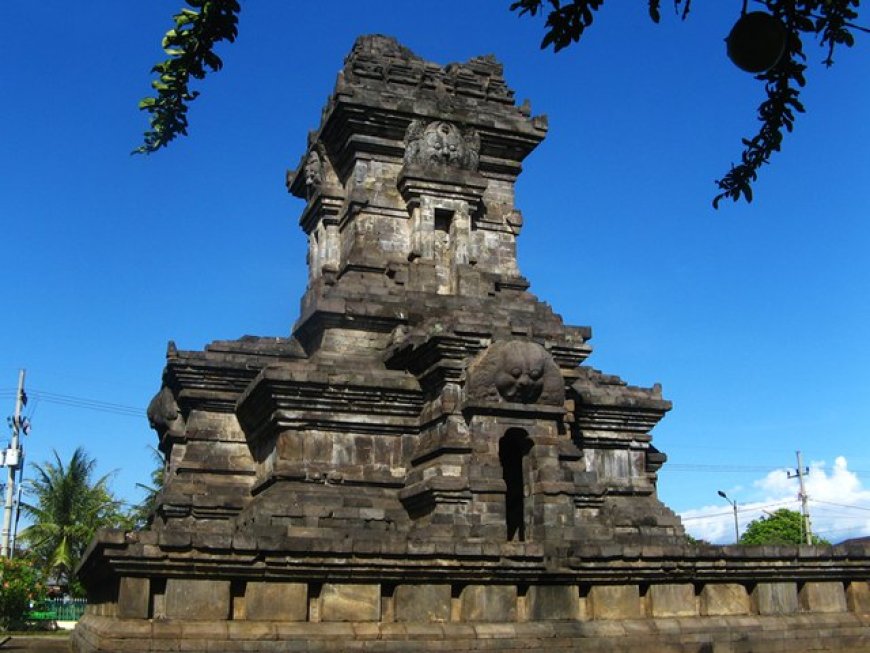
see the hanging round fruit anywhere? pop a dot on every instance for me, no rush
(756, 42)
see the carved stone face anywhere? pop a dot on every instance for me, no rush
(164, 415)
(515, 371)
(443, 144)
(313, 171)
(520, 376)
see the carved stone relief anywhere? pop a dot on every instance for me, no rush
(313, 173)
(164, 415)
(516, 371)
(441, 144)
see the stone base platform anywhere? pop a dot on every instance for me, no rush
(698, 599)
(829, 632)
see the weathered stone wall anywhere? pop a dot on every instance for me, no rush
(439, 602)
(337, 616)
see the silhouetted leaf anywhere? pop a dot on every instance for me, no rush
(190, 48)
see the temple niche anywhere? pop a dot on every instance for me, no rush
(427, 448)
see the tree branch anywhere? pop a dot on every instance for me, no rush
(190, 46)
(831, 19)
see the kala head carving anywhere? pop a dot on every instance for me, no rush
(520, 376)
(516, 371)
(441, 143)
(313, 172)
(164, 415)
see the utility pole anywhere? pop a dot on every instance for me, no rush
(736, 523)
(17, 515)
(13, 462)
(805, 510)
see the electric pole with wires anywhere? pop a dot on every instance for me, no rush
(802, 495)
(13, 460)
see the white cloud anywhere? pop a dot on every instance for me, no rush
(839, 504)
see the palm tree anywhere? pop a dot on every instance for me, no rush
(68, 509)
(143, 514)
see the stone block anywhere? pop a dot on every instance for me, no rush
(822, 597)
(133, 598)
(672, 600)
(265, 601)
(422, 603)
(775, 598)
(202, 630)
(488, 603)
(166, 629)
(722, 599)
(158, 609)
(290, 446)
(251, 630)
(614, 602)
(190, 598)
(239, 609)
(553, 602)
(496, 631)
(350, 602)
(858, 597)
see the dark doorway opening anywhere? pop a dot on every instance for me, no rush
(513, 449)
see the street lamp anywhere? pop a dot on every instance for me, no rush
(733, 505)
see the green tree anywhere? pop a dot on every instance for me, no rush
(189, 45)
(781, 527)
(143, 514)
(20, 584)
(68, 509)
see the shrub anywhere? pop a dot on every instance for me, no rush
(20, 584)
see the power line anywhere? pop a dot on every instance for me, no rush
(742, 509)
(730, 469)
(58, 397)
(88, 404)
(840, 530)
(835, 516)
(734, 469)
(840, 505)
(55, 395)
(713, 516)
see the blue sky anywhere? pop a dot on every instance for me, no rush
(753, 317)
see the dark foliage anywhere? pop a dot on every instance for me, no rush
(190, 46)
(829, 20)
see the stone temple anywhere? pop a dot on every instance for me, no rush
(427, 462)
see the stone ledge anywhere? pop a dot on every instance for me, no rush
(832, 631)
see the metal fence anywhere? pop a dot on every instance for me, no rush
(58, 610)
